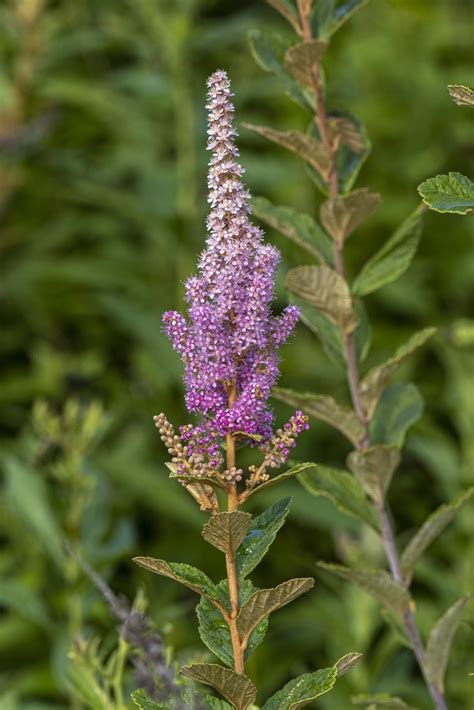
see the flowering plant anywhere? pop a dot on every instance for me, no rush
(229, 344)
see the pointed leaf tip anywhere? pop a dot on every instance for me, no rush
(235, 687)
(439, 642)
(227, 530)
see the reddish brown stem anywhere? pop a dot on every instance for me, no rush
(387, 534)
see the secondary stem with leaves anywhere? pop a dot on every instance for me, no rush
(353, 379)
(334, 149)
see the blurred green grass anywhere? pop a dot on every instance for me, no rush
(102, 209)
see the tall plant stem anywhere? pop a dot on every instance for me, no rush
(387, 533)
(233, 585)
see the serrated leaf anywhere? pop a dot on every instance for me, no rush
(227, 530)
(343, 490)
(306, 688)
(297, 226)
(26, 493)
(184, 574)
(265, 601)
(342, 215)
(301, 58)
(375, 381)
(378, 583)
(429, 531)
(324, 289)
(260, 536)
(439, 643)
(452, 193)
(268, 50)
(400, 406)
(301, 144)
(235, 687)
(302, 690)
(462, 95)
(326, 409)
(213, 629)
(381, 700)
(374, 468)
(294, 471)
(141, 700)
(393, 259)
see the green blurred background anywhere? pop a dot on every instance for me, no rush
(102, 210)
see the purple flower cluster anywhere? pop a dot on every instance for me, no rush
(230, 338)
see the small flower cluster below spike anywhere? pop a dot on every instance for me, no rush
(277, 449)
(193, 454)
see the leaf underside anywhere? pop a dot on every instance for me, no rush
(227, 530)
(235, 687)
(378, 583)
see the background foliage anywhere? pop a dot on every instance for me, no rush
(102, 208)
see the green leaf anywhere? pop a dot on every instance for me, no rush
(453, 193)
(400, 406)
(342, 215)
(439, 643)
(227, 530)
(363, 332)
(328, 333)
(375, 381)
(260, 536)
(214, 630)
(297, 226)
(268, 50)
(374, 468)
(300, 59)
(142, 701)
(326, 409)
(301, 144)
(462, 95)
(306, 688)
(343, 490)
(378, 583)
(429, 531)
(381, 700)
(393, 259)
(213, 703)
(294, 471)
(265, 601)
(27, 495)
(184, 574)
(235, 687)
(324, 289)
